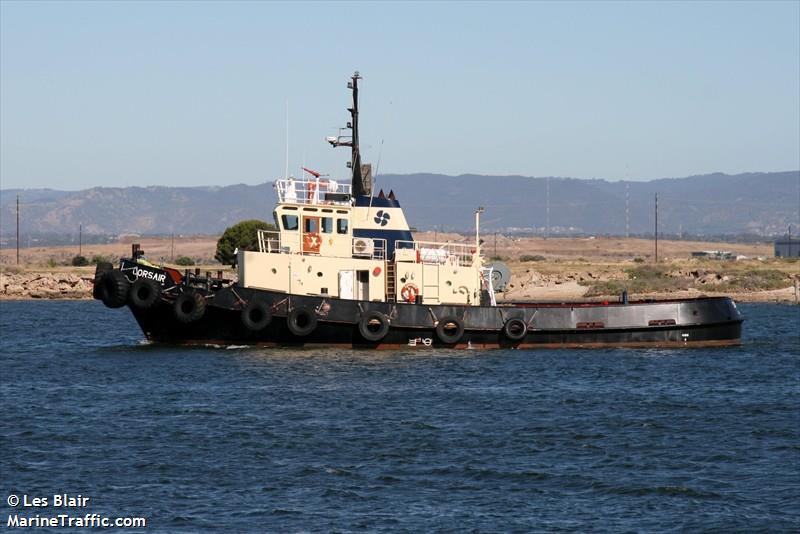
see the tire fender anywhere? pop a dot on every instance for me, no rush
(113, 289)
(301, 321)
(373, 326)
(515, 329)
(257, 315)
(190, 306)
(450, 329)
(144, 294)
(99, 270)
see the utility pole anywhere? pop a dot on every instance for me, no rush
(495, 244)
(656, 235)
(172, 249)
(80, 239)
(17, 229)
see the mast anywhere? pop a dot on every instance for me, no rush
(359, 187)
(358, 180)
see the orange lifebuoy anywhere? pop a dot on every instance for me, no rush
(409, 293)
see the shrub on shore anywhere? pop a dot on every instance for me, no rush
(755, 280)
(528, 257)
(79, 261)
(658, 279)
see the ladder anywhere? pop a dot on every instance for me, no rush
(391, 288)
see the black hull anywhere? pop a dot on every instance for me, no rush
(697, 322)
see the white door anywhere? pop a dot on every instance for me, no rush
(346, 286)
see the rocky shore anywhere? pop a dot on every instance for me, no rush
(46, 285)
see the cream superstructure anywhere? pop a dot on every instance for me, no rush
(317, 251)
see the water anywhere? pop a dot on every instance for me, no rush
(284, 440)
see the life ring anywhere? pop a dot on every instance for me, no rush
(449, 329)
(301, 321)
(409, 293)
(190, 306)
(515, 329)
(256, 315)
(112, 289)
(373, 326)
(144, 294)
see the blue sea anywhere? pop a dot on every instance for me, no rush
(269, 440)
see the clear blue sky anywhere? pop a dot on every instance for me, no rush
(194, 93)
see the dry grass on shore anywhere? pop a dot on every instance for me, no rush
(543, 269)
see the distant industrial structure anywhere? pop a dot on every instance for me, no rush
(714, 254)
(787, 248)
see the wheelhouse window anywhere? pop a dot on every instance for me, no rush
(327, 225)
(341, 226)
(311, 225)
(289, 222)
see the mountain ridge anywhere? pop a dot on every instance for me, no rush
(760, 203)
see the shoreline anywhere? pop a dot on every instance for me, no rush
(76, 284)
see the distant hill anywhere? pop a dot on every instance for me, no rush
(716, 204)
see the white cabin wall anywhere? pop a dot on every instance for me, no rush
(440, 284)
(307, 274)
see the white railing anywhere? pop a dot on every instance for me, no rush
(487, 284)
(269, 241)
(368, 247)
(316, 191)
(435, 253)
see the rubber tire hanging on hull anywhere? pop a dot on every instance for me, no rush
(301, 321)
(190, 306)
(101, 268)
(367, 324)
(144, 294)
(443, 332)
(256, 315)
(113, 289)
(515, 329)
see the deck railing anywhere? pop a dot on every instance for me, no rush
(269, 241)
(369, 247)
(316, 191)
(432, 252)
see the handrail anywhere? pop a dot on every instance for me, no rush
(369, 247)
(269, 241)
(433, 252)
(314, 191)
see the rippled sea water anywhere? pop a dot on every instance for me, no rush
(248, 439)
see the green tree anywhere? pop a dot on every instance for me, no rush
(242, 236)
(184, 261)
(79, 261)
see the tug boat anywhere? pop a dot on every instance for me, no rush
(343, 269)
